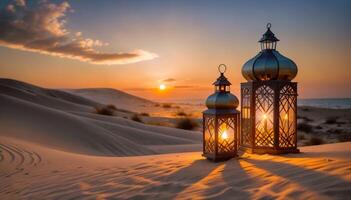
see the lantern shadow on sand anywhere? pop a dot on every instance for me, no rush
(221, 121)
(269, 101)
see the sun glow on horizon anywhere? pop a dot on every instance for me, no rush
(162, 87)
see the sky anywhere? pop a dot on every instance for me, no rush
(136, 46)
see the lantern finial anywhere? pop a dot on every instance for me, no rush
(222, 68)
(268, 36)
(269, 25)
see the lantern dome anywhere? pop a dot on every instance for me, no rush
(222, 101)
(269, 64)
(222, 98)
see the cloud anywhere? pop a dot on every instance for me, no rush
(41, 28)
(169, 80)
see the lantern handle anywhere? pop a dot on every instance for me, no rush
(222, 68)
(269, 25)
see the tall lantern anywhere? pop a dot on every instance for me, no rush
(268, 101)
(221, 121)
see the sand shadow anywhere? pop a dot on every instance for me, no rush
(319, 182)
(237, 179)
(175, 183)
(333, 154)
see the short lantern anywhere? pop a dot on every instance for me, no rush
(221, 121)
(268, 101)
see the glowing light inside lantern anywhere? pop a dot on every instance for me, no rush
(264, 116)
(286, 116)
(224, 135)
(265, 123)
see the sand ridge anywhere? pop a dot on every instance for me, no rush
(115, 97)
(47, 97)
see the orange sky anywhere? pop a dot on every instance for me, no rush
(190, 41)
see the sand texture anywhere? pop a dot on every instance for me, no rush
(29, 171)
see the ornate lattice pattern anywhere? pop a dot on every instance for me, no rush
(209, 134)
(226, 126)
(287, 118)
(264, 97)
(246, 134)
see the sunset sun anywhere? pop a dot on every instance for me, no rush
(162, 87)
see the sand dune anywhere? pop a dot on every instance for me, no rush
(118, 98)
(47, 97)
(60, 130)
(67, 122)
(29, 171)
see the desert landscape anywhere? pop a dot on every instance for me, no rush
(55, 145)
(175, 99)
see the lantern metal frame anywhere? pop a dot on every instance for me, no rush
(275, 98)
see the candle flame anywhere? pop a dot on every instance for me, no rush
(264, 116)
(224, 135)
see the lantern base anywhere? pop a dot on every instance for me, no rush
(269, 150)
(219, 157)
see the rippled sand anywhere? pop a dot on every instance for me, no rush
(29, 171)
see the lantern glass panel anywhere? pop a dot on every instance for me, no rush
(209, 131)
(287, 117)
(264, 97)
(226, 134)
(268, 45)
(222, 88)
(246, 117)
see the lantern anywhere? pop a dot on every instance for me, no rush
(221, 121)
(268, 101)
